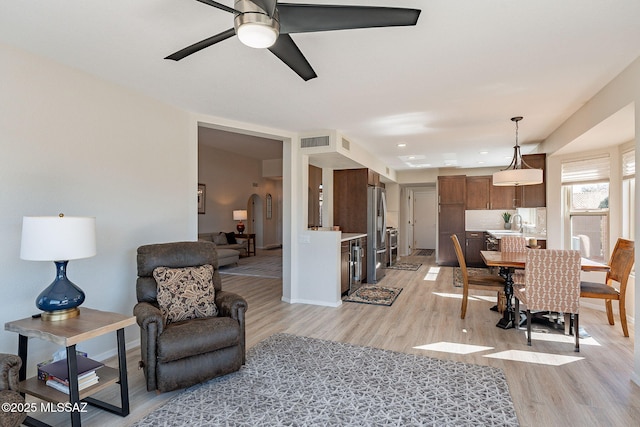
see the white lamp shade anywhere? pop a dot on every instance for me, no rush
(257, 35)
(510, 177)
(57, 238)
(239, 215)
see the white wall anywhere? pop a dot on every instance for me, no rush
(229, 180)
(619, 93)
(75, 144)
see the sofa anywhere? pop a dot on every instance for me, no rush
(226, 241)
(9, 366)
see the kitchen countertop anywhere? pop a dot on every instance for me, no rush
(498, 234)
(351, 236)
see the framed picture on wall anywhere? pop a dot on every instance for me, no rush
(269, 206)
(201, 197)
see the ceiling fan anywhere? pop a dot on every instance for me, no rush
(267, 24)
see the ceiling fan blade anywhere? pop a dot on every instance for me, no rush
(305, 18)
(268, 6)
(289, 53)
(183, 53)
(219, 6)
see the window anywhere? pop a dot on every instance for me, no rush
(628, 193)
(586, 192)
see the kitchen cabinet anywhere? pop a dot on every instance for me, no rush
(451, 216)
(452, 189)
(473, 245)
(533, 196)
(478, 192)
(373, 178)
(502, 197)
(350, 199)
(482, 194)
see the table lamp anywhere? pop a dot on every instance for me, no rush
(239, 216)
(58, 239)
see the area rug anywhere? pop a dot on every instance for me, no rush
(407, 266)
(266, 264)
(473, 271)
(424, 252)
(298, 381)
(371, 294)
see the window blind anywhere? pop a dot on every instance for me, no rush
(629, 164)
(584, 171)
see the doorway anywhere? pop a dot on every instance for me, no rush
(254, 218)
(424, 218)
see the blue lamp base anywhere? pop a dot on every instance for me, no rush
(60, 300)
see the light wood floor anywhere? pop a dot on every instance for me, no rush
(593, 391)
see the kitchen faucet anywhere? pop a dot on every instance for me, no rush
(519, 223)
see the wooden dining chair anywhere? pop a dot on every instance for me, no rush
(552, 283)
(488, 282)
(620, 265)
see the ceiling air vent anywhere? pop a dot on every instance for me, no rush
(316, 141)
(346, 144)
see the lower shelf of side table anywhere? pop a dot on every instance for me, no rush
(38, 388)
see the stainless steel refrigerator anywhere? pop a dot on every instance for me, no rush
(376, 234)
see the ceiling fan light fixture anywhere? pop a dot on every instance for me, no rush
(254, 27)
(518, 172)
(257, 35)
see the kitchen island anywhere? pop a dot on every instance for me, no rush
(539, 239)
(321, 267)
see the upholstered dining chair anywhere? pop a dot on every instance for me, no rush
(552, 283)
(190, 329)
(514, 244)
(620, 264)
(489, 282)
(9, 366)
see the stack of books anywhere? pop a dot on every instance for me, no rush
(56, 374)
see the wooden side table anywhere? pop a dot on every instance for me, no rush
(251, 240)
(69, 332)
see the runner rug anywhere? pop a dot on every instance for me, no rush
(372, 294)
(407, 266)
(298, 381)
(424, 252)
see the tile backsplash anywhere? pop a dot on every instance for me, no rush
(480, 220)
(535, 219)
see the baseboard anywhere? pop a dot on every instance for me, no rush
(598, 305)
(272, 246)
(312, 302)
(114, 352)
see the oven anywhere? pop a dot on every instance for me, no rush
(491, 243)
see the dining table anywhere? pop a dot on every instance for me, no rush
(508, 262)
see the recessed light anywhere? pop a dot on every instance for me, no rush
(481, 163)
(412, 157)
(402, 145)
(484, 152)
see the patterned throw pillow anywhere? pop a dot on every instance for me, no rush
(220, 239)
(185, 293)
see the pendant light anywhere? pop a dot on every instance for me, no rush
(518, 172)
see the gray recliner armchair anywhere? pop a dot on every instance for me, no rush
(183, 353)
(9, 367)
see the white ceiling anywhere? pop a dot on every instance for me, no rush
(446, 87)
